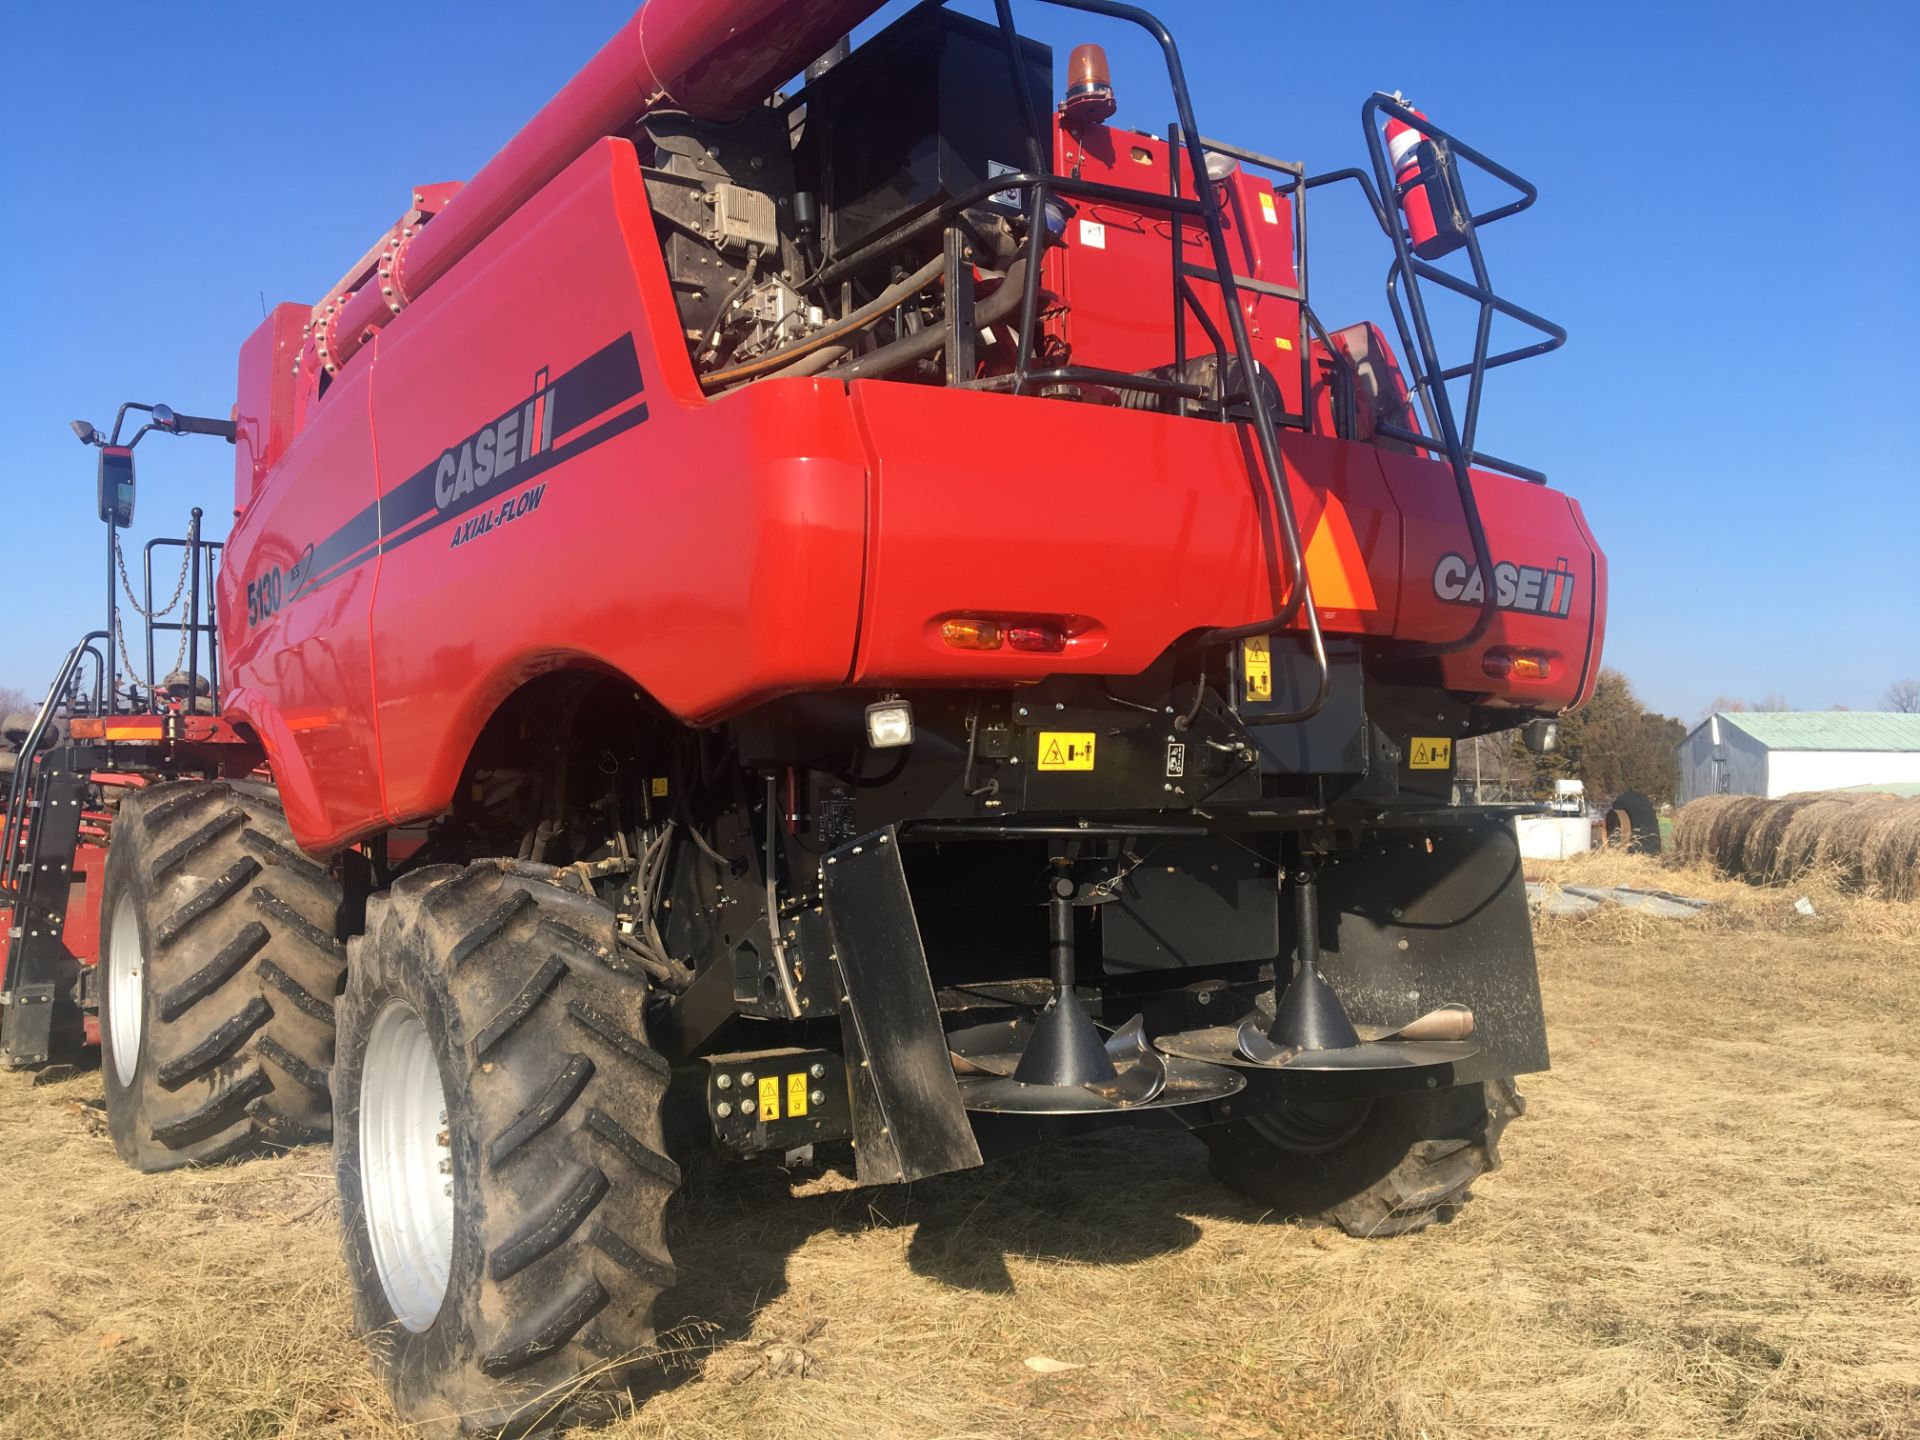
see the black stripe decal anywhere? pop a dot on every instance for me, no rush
(608, 378)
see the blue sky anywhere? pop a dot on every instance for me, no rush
(1726, 226)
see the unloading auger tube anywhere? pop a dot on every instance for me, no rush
(714, 59)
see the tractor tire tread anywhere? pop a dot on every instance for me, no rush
(239, 1032)
(1409, 1165)
(563, 1206)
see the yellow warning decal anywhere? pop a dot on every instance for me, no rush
(659, 787)
(769, 1097)
(1066, 750)
(1280, 342)
(1430, 752)
(1256, 663)
(797, 1096)
(1267, 208)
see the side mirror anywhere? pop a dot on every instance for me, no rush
(116, 486)
(164, 418)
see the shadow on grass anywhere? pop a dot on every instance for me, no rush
(1105, 1200)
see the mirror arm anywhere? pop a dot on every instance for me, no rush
(120, 416)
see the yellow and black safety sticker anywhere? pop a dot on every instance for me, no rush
(797, 1096)
(1066, 750)
(769, 1097)
(1256, 665)
(1430, 752)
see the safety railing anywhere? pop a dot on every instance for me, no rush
(13, 835)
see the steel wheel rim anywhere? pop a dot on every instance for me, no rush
(406, 1173)
(126, 980)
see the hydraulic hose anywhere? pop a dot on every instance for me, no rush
(900, 353)
(839, 330)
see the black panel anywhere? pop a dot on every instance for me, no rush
(1422, 920)
(1200, 901)
(908, 1121)
(917, 115)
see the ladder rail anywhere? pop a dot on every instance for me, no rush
(18, 791)
(1297, 591)
(1430, 376)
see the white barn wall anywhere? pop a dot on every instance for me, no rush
(1789, 771)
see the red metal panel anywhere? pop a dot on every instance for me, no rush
(263, 416)
(1116, 269)
(82, 933)
(1143, 526)
(297, 656)
(710, 551)
(1548, 573)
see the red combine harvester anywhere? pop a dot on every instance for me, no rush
(764, 620)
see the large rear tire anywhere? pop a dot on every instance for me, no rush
(219, 962)
(498, 1150)
(1387, 1167)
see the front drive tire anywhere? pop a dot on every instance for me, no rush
(498, 1150)
(1391, 1167)
(219, 964)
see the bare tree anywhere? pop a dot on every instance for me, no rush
(13, 698)
(1729, 705)
(1904, 696)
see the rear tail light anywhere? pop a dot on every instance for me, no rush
(1043, 638)
(1505, 664)
(1042, 635)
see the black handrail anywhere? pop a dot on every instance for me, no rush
(1037, 183)
(12, 832)
(1429, 375)
(200, 559)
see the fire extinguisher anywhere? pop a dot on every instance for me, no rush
(1430, 196)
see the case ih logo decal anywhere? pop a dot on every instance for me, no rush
(586, 406)
(492, 451)
(1523, 588)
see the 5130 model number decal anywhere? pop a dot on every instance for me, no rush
(276, 587)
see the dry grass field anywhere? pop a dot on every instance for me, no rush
(1708, 1225)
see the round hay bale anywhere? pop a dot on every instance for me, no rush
(1890, 850)
(1802, 834)
(1728, 839)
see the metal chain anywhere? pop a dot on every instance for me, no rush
(179, 588)
(180, 659)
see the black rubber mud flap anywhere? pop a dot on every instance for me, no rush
(908, 1122)
(1415, 920)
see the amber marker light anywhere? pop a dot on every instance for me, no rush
(1504, 664)
(1089, 87)
(965, 633)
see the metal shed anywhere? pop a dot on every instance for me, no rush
(1775, 753)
